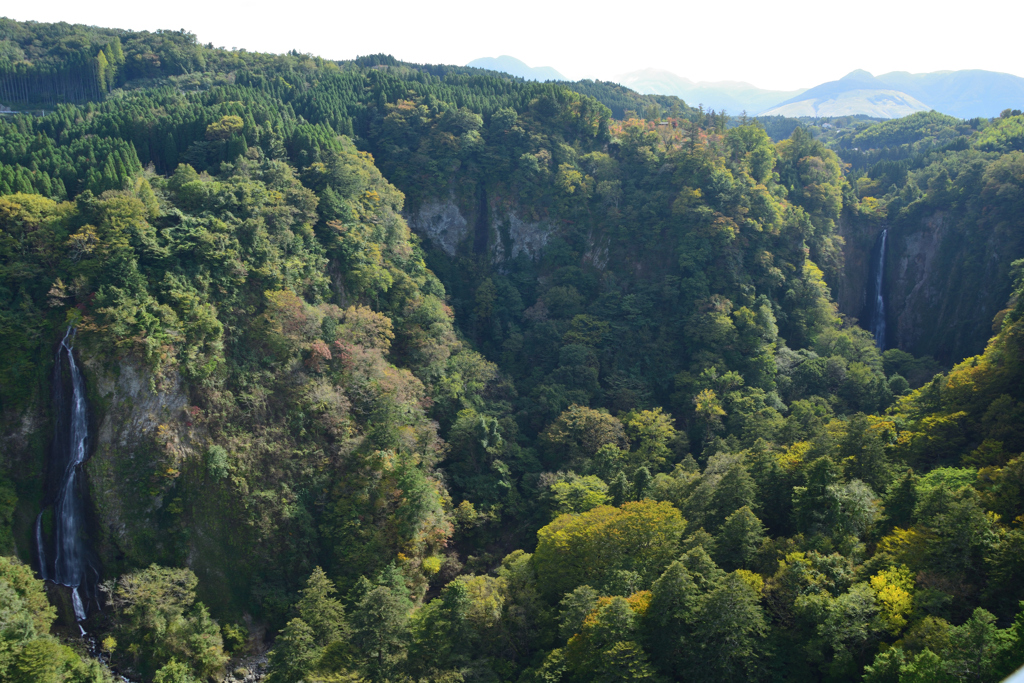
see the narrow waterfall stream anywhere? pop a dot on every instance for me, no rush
(41, 549)
(878, 310)
(73, 564)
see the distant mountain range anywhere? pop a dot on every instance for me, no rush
(964, 94)
(856, 93)
(879, 104)
(511, 65)
(732, 97)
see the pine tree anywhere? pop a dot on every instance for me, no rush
(625, 661)
(111, 76)
(728, 632)
(454, 646)
(236, 147)
(170, 153)
(641, 483)
(675, 600)
(620, 489)
(116, 51)
(900, 500)
(814, 505)
(380, 622)
(22, 183)
(102, 68)
(863, 454)
(739, 538)
(735, 490)
(324, 614)
(295, 653)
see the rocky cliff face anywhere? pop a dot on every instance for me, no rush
(144, 437)
(945, 281)
(142, 441)
(849, 287)
(24, 439)
(441, 224)
(497, 228)
(152, 497)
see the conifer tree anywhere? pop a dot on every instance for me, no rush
(620, 489)
(295, 653)
(739, 538)
(324, 614)
(675, 601)
(380, 622)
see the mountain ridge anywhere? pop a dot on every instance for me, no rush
(516, 67)
(964, 93)
(730, 96)
(881, 104)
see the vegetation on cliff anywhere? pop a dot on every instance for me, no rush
(649, 446)
(949, 192)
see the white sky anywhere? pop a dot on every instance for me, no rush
(774, 45)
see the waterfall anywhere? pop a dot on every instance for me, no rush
(40, 547)
(73, 564)
(878, 310)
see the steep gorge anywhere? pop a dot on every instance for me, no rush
(598, 319)
(947, 276)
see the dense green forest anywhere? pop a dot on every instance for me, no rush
(426, 373)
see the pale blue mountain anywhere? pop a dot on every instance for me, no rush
(733, 97)
(964, 94)
(511, 65)
(856, 93)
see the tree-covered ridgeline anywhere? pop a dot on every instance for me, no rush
(647, 449)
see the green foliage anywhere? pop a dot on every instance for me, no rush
(380, 628)
(45, 660)
(739, 538)
(28, 654)
(1007, 135)
(235, 637)
(159, 622)
(322, 612)
(976, 650)
(31, 599)
(579, 494)
(910, 129)
(704, 620)
(296, 653)
(587, 548)
(605, 649)
(635, 332)
(173, 672)
(8, 501)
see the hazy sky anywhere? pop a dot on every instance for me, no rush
(781, 45)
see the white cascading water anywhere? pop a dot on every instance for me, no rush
(41, 547)
(878, 312)
(71, 559)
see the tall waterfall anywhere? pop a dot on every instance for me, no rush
(878, 309)
(72, 559)
(41, 549)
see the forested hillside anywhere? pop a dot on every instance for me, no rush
(948, 192)
(427, 373)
